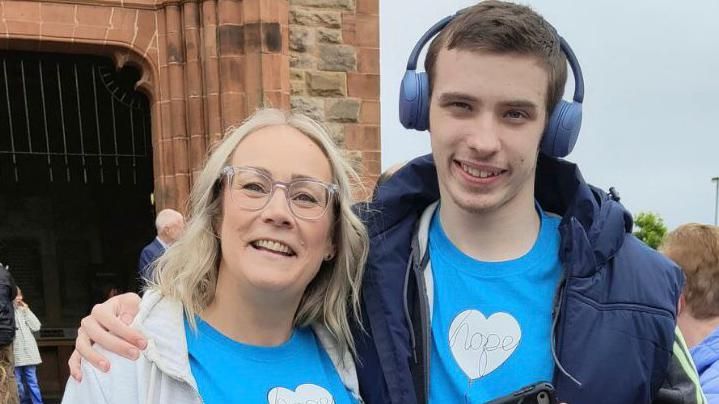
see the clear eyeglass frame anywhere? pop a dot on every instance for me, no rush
(301, 210)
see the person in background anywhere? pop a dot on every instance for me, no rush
(695, 248)
(8, 290)
(27, 356)
(169, 224)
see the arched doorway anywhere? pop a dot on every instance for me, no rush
(76, 180)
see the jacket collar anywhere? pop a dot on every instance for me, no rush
(161, 320)
(559, 188)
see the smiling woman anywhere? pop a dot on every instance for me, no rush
(263, 284)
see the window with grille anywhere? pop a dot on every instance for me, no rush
(72, 119)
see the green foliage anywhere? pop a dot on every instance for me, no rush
(650, 228)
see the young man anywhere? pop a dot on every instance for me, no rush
(695, 247)
(473, 289)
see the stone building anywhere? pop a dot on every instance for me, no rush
(107, 110)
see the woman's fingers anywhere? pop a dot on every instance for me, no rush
(83, 347)
(108, 326)
(74, 364)
(115, 316)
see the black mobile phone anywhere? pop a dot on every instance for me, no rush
(537, 393)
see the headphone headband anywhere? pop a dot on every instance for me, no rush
(431, 32)
(576, 70)
(562, 127)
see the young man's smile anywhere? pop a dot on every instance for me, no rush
(479, 174)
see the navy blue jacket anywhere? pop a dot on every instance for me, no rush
(149, 254)
(615, 309)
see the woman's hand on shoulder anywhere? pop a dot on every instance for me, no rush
(108, 326)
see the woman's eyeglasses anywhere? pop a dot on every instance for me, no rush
(251, 189)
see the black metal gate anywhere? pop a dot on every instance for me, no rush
(71, 119)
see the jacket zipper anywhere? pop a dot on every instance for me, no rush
(558, 323)
(407, 314)
(559, 301)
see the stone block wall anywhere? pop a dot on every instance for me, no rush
(334, 73)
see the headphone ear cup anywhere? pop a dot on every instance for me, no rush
(413, 105)
(562, 130)
(423, 106)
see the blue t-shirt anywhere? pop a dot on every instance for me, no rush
(491, 321)
(298, 371)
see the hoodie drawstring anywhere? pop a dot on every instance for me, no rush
(554, 342)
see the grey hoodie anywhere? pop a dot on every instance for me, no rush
(162, 374)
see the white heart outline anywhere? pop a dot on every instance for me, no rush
(479, 345)
(303, 394)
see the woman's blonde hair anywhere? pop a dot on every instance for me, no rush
(187, 271)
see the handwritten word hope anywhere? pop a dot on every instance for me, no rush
(480, 345)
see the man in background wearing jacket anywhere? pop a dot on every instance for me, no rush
(695, 247)
(170, 225)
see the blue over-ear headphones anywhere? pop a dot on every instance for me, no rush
(564, 123)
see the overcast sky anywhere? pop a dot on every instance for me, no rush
(651, 107)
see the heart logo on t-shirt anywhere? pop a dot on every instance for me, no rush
(304, 394)
(479, 344)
